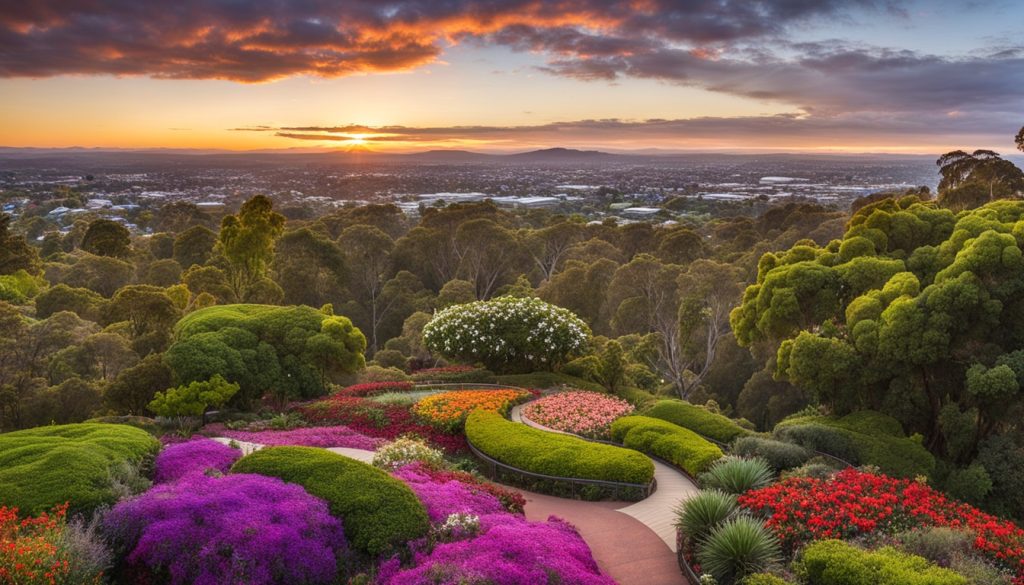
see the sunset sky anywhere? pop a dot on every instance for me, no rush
(866, 76)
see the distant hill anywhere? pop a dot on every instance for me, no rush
(12, 158)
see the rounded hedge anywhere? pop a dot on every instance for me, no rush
(698, 419)
(508, 334)
(681, 447)
(379, 512)
(554, 454)
(834, 562)
(865, 437)
(47, 466)
(292, 351)
(779, 454)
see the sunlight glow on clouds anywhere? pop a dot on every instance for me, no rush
(776, 56)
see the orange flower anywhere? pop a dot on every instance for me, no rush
(450, 409)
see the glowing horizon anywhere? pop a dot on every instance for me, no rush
(856, 76)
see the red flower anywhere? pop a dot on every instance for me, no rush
(853, 502)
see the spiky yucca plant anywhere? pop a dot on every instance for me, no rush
(736, 475)
(699, 515)
(738, 547)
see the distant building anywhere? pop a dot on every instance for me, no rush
(526, 202)
(640, 211)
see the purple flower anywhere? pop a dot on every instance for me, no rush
(443, 498)
(509, 551)
(196, 456)
(339, 436)
(230, 530)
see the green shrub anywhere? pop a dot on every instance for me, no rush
(737, 548)
(20, 287)
(818, 468)
(193, 399)
(698, 419)
(780, 455)
(938, 544)
(637, 397)
(736, 475)
(834, 562)
(47, 466)
(864, 437)
(454, 375)
(554, 454)
(375, 373)
(290, 351)
(379, 512)
(544, 380)
(763, 579)
(390, 358)
(680, 447)
(819, 437)
(699, 515)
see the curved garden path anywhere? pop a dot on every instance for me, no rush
(633, 543)
(656, 511)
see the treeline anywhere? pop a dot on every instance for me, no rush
(89, 314)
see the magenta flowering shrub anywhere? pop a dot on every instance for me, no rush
(508, 551)
(196, 456)
(589, 414)
(445, 496)
(231, 530)
(338, 436)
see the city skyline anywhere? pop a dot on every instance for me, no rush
(856, 76)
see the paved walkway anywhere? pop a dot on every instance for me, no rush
(624, 549)
(657, 511)
(247, 447)
(633, 543)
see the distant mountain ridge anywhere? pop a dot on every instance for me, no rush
(546, 156)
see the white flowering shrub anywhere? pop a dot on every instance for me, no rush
(458, 526)
(508, 334)
(404, 450)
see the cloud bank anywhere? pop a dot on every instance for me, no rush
(736, 47)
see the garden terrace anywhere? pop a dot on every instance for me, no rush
(546, 458)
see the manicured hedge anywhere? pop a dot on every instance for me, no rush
(681, 447)
(834, 562)
(554, 454)
(379, 512)
(47, 466)
(867, 437)
(698, 419)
